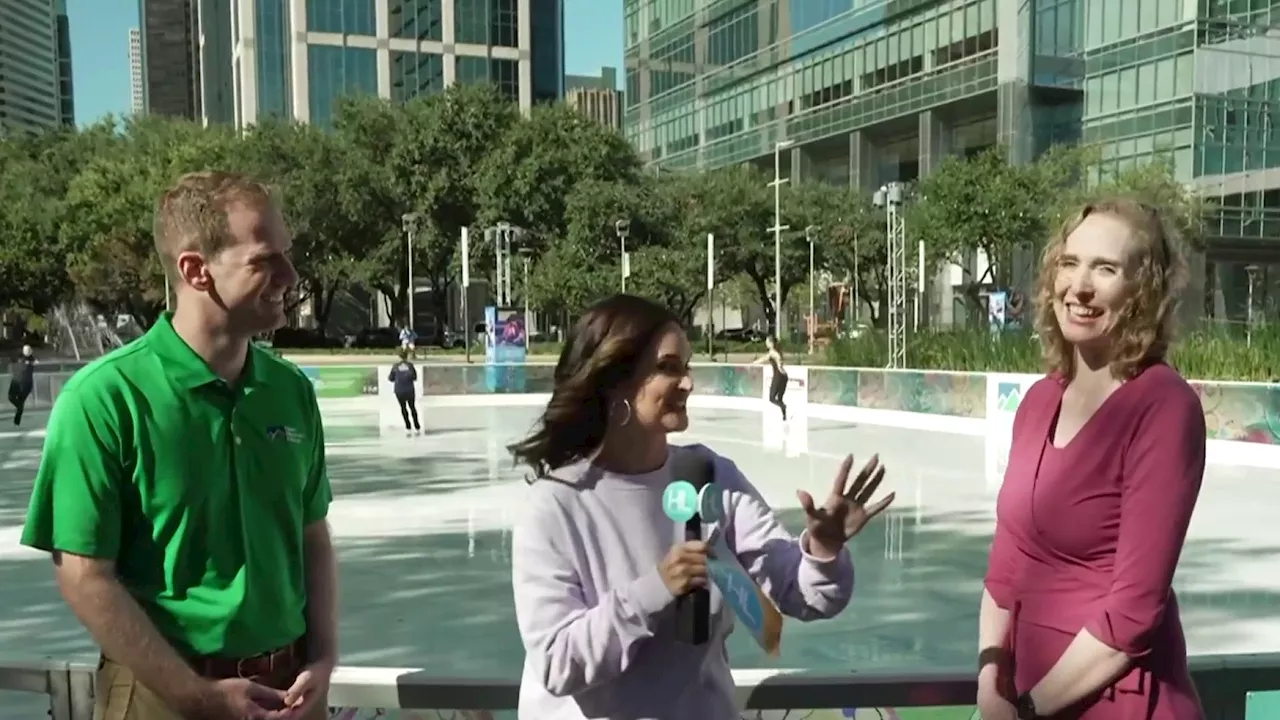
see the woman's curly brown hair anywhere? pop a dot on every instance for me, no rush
(1155, 275)
(602, 352)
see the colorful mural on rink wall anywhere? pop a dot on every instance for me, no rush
(1244, 412)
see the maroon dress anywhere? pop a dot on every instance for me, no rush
(1088, 537)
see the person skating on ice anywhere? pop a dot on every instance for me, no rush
(405, 378)
(778, 387)
(21, 382)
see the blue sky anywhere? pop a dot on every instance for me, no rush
(100, 48)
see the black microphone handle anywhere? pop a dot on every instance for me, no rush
(693, 609)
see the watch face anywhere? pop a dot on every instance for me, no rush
(1026, 708)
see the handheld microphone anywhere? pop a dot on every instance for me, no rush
(693, 475)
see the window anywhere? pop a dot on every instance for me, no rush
(417, 19)
(546, 50)
(336, 72)
(414, 74)
(486, 22)
(505, 74)
(355, 17)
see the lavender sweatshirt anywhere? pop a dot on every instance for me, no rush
(596, 620)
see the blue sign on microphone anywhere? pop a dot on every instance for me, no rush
(739, 591)
(711, 503)
(680, 501)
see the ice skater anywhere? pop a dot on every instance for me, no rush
(22, 380)
(405, 378)
(778, 387)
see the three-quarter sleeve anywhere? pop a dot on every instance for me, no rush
(1000, 565)
(1162, 470)
(801, 585)
(1002, 560)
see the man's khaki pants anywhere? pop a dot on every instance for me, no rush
(121, 697)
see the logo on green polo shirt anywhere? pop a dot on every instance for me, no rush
(284, 433)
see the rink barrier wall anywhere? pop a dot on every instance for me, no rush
(1242, 420)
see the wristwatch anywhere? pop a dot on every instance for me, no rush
(1027, 707)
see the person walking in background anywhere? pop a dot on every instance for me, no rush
(595, 571)
(778, 386)
(408, 341)
(22, 380)
(1078, 618)
(183, 491)
(404, 377)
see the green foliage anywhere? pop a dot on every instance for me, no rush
(76, 213)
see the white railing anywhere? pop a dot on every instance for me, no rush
(1224, 683)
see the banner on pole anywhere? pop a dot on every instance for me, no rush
(711, 261)
(466, 259)
(626, 264)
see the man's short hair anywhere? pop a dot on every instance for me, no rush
(192, 214)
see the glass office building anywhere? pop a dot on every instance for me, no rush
(870, 91)
(296, 58)
(31, 67)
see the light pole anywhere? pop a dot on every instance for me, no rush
(777, 229)
(409, 221)
(1248, 319)
(524, 295)
(622, 229)
(890, 198)
(808, 235)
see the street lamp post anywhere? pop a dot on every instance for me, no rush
(1248, 319)
(808, 235)
(622, 229)
(524, 295)
(409, 221)
(777, 229)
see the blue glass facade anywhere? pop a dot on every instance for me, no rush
(546, 18)
(354, 17)
(486, 22)
(273, 60)
(336, 72)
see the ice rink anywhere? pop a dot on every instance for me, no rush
(422, 530)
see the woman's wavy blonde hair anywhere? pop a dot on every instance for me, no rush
(1155, 275)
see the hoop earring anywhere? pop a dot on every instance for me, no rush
(626, 404)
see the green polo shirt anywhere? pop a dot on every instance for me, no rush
(197, 489)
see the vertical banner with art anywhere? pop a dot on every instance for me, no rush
(997, 310)
(1004, 395)
(504, 351)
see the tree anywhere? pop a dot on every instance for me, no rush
(984, 204)
(311, 169)
(422, 156)
(110, 208)
(849, 237)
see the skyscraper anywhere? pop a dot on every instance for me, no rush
(137, 102)
(170, 51)
(596, 97)
(31, 89)
(295, 58)
(66, 85)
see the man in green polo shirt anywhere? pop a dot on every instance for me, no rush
(183, 490)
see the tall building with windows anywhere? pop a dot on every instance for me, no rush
(31, 93)
(137, 105)
(870, 91)
(596, 97)
(66, 84)
(296, 58)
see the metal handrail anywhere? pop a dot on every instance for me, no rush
(1223, 681)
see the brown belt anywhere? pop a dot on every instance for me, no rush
(289, 657)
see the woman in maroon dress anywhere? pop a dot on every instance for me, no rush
(1078, 619)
